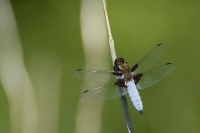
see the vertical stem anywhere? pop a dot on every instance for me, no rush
(113, 55)
(126, 112)
(111, 41)
(107, 20)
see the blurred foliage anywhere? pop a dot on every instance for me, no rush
(171, 106)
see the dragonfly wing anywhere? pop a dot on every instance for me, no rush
(153, 76)
(149, 59)
(94, 75)
(103, 93)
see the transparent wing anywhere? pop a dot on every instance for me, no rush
(103, 93)
(149, 59)
(94, 75)
(153, 76)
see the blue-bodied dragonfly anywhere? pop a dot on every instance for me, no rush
(129, 78)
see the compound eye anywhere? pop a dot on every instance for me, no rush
(118, 61)
(121, 60)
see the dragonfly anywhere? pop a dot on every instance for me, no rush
(129, 79)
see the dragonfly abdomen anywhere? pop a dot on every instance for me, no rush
(135, 96)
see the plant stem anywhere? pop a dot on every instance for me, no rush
(111, 41)
(113, 55)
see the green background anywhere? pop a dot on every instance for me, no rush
(171, 106)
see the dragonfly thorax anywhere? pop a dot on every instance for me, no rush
(127, 75)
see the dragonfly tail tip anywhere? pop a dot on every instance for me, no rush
(141, 112)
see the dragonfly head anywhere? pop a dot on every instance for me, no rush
(118, 61)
